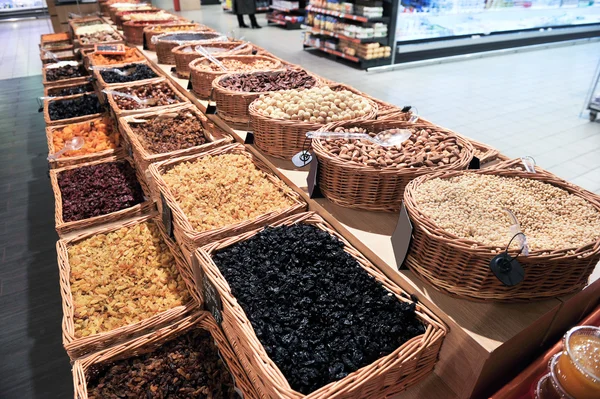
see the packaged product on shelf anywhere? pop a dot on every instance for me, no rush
(301, 267)
(369, 12)
(120, 282)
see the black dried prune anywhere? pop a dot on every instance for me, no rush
(133, 72)
(72, 108)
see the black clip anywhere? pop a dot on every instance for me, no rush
(211, 109)
(406, 108)
(506, 268)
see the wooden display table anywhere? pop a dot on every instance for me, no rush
(487, 342)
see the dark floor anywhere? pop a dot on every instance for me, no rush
(33, 363)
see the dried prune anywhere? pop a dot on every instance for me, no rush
(186, 367)
(72, 108)
(132, 72)
(100, 189)
(319, 315)
(69, 91)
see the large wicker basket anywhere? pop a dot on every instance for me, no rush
(202, 79)
(78, 347)
(188, 238)
(153, 30)
(50, 122)
(165, 42)
(233, 105)
(391, 374)
(281, 138)
(114, 9)
(124, 112)
(122, 16)
(454, 266)
(143, 157)
(63, 227)
(354, 185)
(133, 31)
(154, 340)
(102, 83)
(61, 55)
(186, 53)
(75, 160)
(62, 82)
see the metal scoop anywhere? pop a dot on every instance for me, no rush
(385, 138)
(71, 145)
(146, 101)
(212, 59)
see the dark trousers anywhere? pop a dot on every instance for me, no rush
(240, 18)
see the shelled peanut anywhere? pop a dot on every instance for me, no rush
(217, 191)
(122, 277)
(98, 135)
(470, 206)
(234, 65)
(424, 148)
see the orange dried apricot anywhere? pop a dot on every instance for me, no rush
(98, 135)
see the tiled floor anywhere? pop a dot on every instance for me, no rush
(19, 51)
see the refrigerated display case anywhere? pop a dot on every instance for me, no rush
(16, 8)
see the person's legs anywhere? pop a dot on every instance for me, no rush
(255, 24)
(241, 23)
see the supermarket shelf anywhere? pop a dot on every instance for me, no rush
(299, 10)
(258, 9)
(352, 17)
(316, 31)
(285, 24)
(360, 62)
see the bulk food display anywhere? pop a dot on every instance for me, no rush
(204, 71)
(306, 310)
(132, 54)
(220, 192)
(97, 192)
(460, 223)
(173, 26)
(117, 283)
(234, 92)
(63, 72)
(364, 175)
(71, 109)
(280, 120)
(100, 139)
(187, 53)
(125, 74)
(166, 42)
(158, 95)
(196, 345)
(168, 134)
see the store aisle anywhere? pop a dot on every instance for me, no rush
(19, 50)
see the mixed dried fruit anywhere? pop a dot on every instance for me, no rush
(221, 190)
(128, 73)
(131, 55)
(122, 277)
(170, 132)
(186, 367)
(87, 104)
(64, 70)
(470, 206)
(159, 92)
(319, 315)
(95, 190)
(98, 135)
(426, 147)
(268, 81)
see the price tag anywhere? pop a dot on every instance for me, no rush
(402, 237)
(144, 42)
(189, 86)
(249, 138)
(212, 299)
(173, 69)
(507, 269)
(167, 216)
(109, 49)
(312, 180)
(211, 109)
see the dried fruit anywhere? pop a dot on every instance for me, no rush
(217, 191)
(98, 135)
(319, 315)
(64, 70)
(271, 81)
(69, 91)
(161, 92)
(186, 367)
(99, 189)
(133, 72)
(122, 277)
(131, 55)
(87, 104)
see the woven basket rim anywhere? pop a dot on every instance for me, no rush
(233, 44)
(431, 229)
(244, 57)
(152, 28)
(465, 156)
(190, 232)
(434, 326)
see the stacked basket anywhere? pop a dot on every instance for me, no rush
(166, 42)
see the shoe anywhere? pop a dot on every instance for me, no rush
(244, 26)
(257, 26)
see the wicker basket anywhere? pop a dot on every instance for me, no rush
(113, 10)
(54, 91)
(57, 46)
(202, 79)
(122, 16)
(165, 42)
(151, 31)
(119, 112)
(358, 186)
(233, 105)
(391, 374)
(190, 239)
(63, 227)
(83, 118)
(133, 31)
(183, 57)
(67, 55)
(78, 347)
(281, 138)
(154, 340)
(454, 267)
(62, 82)
(143, 158)
(54, 37)
(75, 160)
(103, 85)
